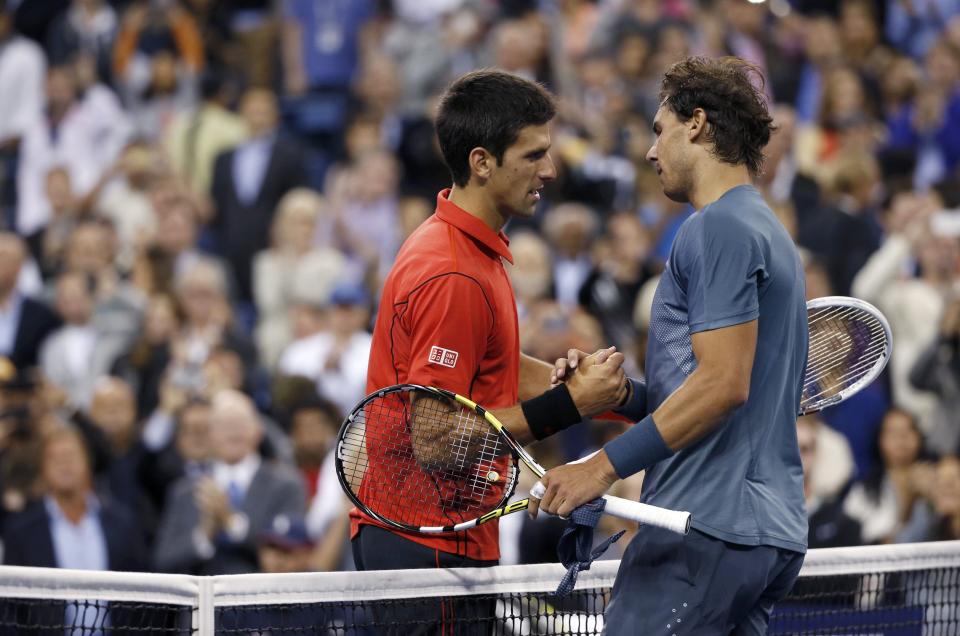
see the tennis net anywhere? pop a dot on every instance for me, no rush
(890, 590)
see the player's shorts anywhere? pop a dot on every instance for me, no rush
(696, 584)
(377, 549)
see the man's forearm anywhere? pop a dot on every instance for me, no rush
(702, 402)
(534, 377)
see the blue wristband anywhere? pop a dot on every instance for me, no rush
(637, 449)
(636, 408)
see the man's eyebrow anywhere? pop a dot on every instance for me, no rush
(542, 150)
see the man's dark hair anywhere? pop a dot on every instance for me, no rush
(487, 109)
(736, 107)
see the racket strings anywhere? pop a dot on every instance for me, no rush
(846, 344)
(422, 461)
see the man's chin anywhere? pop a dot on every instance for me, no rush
(677, 196)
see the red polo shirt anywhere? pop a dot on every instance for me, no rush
(448, 319)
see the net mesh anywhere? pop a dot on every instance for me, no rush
(889, 590)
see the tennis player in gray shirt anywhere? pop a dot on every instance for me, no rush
(716, 417)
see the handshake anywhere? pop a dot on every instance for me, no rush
(596, 381)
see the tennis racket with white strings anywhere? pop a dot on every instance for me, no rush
(849, 346)
(427, 460)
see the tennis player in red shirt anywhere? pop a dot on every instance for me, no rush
(448, 316)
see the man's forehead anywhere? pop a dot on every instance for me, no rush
(534, 135)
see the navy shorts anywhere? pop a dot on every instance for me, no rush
(697, 585)
(377, 549)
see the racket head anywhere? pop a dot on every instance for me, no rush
(424, 460)
(850, 343)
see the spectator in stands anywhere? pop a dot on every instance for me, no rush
(87, 27)
(22, 67)
(70, 527)
(188, 456)
(202, 294)
(531, 273)
(937, 370)
(314, 426)
(910, 302)
(830, 527)
(123, 197)
(337, 357)
(833, 467)
(78, 354)
(248, 184)
(118, 305)
(145, 362)
(113, 413)
(177, 237)
(285, 546)
(157, 59)
(66, 212)
(887, 500)
(619, 272)
(822, 46)
(195, 138)
(67, 135)
(322, 44)
(946, 500)
(364, 197)
(24, 322)
(570, 228)
(211, 524)
(292, 259)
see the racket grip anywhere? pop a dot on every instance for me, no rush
(673, 520)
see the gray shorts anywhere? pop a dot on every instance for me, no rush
(675, 585)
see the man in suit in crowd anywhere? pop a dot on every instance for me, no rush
(248, 183)
(24, 322)
(212, 522)
(70, 527)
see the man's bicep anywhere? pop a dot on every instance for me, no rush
(450, 321)
(728, 351)
(724, 277)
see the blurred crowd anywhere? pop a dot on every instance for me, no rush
(200, 200)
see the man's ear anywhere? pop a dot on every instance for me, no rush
(697, 125)
(481, 162)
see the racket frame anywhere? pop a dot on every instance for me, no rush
(642, 513)
(875, 370)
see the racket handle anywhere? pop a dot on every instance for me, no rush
(673, 520)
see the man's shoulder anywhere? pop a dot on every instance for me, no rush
(23, 49)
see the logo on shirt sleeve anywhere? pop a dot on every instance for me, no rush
(444, 357)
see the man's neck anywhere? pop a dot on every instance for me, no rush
(6, 298)
(716, 180)
(72, 504)
(474, 202)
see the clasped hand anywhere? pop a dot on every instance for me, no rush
(596, 381)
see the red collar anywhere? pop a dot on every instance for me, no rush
(451, 213)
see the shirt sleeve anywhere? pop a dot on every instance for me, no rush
(450, 321)
(724, 267)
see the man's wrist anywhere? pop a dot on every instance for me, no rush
(635, 406)
(550, 412)
(637, 449)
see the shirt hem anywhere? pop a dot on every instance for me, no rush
(727, 321)
(751, 539)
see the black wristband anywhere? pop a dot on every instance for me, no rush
(550, 412)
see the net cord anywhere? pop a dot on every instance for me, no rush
(206, 593)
